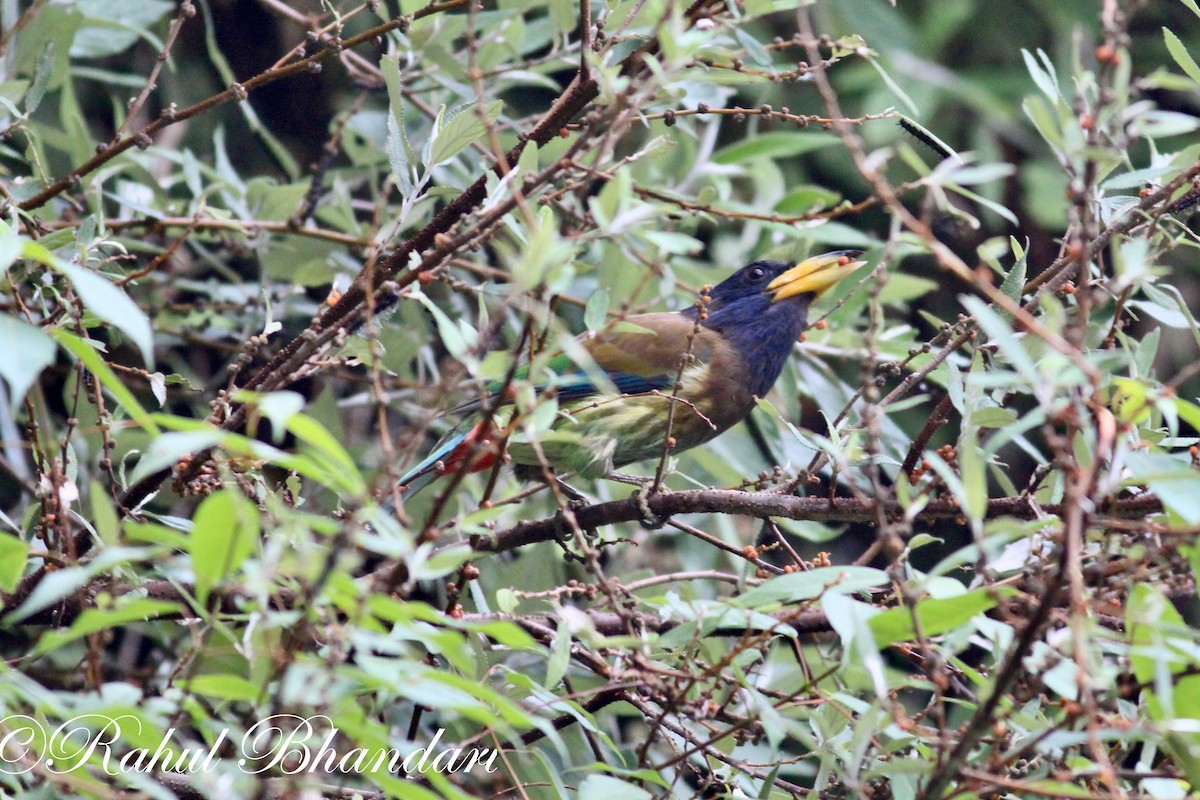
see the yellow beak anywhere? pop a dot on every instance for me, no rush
(815, 275)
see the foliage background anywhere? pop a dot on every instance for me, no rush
(998, 603)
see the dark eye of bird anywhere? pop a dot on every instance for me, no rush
(757, 273)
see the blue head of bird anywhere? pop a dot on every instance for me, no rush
(763, 308)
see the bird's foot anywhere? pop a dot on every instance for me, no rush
(647, 517)
(576, 500)
(645, 489)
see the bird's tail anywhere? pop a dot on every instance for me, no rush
(448, 457)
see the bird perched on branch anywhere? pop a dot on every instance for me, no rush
(670, 380)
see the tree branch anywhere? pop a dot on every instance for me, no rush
(768, 504)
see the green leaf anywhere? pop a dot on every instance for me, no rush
(458, 338)
(606, 787)
(1157, 632)
(278, 407)
(327, 446)
(300, 260)
(10, 247)
(224, 535)
(1002, 335)
(1175, 483)
(850, 619)
(168, 448)
(104, 516)
(93, 619)
(797, 586)
(1046, 787)
(560, 659)
(401, 156)
(224, 687)
(774, 145)
(993, 417)
(974, 478)
(1183, 58)
(460, 130)
(41, 78)
(112, 26)
(673, 242)
(91, 359)
(26, 352)
(13, 550)
(892, 86)
(1188, 412)
(1014, 282)
(595, 314)
(991, 205)
(1158, 124)
(806, 199)
(902, 288)
(564, 15)
(53, 586)
(102, 298)
(810, 530)
(936, 615)
(153, 533)
(1044, 119)
(1046, 79)
(425, 565)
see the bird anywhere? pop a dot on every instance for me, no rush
(669, 378)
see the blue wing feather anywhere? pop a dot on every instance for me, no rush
(425, 472)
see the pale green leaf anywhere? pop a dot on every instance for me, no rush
(13, 550)
(1183, 58)
(26, 352)
(102, 298)
(224, 535)
(95, 364)
(460, 130)
(774, 145)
